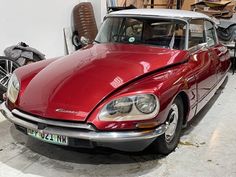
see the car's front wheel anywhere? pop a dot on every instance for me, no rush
(167, 142)
(7, 66)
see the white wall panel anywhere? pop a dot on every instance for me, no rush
(37, 22)
(40, 23)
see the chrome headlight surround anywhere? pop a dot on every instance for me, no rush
(13, 88)
(131, 108)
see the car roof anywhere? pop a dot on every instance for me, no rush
(172, 13)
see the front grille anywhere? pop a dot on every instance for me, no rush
(48, 122)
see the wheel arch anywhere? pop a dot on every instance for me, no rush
(185, 99)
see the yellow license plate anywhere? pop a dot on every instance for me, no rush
(47, 137)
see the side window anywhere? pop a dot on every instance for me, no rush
(210, 33)
(196, 33)
(168, 34)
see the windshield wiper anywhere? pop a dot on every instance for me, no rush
(98, 42)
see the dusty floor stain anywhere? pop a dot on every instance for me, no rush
(186, 143)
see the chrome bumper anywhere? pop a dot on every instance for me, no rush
(81, 131)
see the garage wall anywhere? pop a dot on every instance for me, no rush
(37, 22)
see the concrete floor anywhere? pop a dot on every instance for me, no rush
(207, 149)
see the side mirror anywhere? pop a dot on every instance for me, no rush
(84, 41)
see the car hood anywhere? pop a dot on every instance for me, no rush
(69, 88)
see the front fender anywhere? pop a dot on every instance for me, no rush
(166, 85)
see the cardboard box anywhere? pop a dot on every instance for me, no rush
(221, 9)
(217, 3)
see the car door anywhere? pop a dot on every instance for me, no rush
(218, 52)
(213, 46)
(203, 61)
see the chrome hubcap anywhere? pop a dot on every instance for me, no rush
(172, 123)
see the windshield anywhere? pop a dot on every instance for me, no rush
(151, 31)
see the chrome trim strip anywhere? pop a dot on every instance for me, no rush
(58, 123)
(112, 137)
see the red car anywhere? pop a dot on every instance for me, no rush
(147, 74)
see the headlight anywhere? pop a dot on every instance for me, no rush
(13, 88)
(122, 105)
(135, 107)
(145, 103)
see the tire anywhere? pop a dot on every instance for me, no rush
(167, 142)
(7, 66)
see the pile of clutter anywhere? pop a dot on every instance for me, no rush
(216, 8)
(213, 8)
(223, 13)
